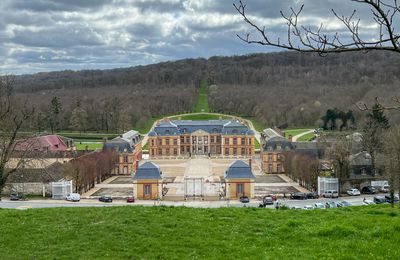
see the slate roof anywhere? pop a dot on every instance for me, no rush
(311, 148)
(239, 170)
(148, 171)
(361, 158)
(273, 143)
(132, 137)
(53, 172)
(177, 127)
(119, 145)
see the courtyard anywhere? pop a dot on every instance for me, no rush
(196, 178)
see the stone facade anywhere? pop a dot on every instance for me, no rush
(213, 138)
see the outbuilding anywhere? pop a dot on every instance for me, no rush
(147, 181)
(239, 180)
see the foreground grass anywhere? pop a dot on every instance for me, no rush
(202, 102)
(227, 233)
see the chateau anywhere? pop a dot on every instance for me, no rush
(173, 138)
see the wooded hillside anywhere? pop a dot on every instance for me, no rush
(276, 88)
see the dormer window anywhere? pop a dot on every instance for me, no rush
(235, 131)
(278, 147)
(215, 130)
(167, 132)
(184, 130)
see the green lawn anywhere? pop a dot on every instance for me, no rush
(77, 136)
(202, 102)
(256, 144)
(200, 117)
(91, 146)
(306, 137)
(294, 132)
(257, 125)
(371, 232)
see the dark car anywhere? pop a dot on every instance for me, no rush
(344, 204)
(298, 196)
(244, 199)
(368, 190)
(388, 198)
(379, 200)
(105, 199)
(130, 199)
(312, 195)
(16, 196)
(267, 200)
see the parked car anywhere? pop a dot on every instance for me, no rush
(312, 195)
(130, 199)
(331, 204)
(368, 202)
(308, 207)
(267, 200)
(105, 199)
(353, 192)
(368, 190)
(379, 200)
(298, 196)
(74, 197)
(344, 204)
(384, 189)
(296, 207)
(331, 194)
(388, 198)
(244, 199)
(14, 196)
(319, 205)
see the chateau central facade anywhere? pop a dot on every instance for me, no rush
(213, 138)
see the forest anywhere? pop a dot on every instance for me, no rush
(282, 88)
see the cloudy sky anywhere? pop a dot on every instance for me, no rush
(46, 35)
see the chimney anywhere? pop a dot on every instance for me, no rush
(250, 163)
(166, 119)
(290, 138)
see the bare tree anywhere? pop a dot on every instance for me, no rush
(339, 154)
(306, 39)
(392, 155)
(12, 117)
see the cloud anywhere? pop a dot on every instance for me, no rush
(46, 35)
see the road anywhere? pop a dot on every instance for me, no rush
(48, 203)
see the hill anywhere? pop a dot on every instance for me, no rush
(369, 232)
(276, 88)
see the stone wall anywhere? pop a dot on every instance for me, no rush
(32, 188)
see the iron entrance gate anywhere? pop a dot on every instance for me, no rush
(194, 187)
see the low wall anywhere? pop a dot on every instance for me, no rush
(31, 188)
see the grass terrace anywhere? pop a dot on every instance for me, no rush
(88, 145)
(202, 102)
(370, 232)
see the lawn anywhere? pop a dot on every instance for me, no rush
(371, 232)
(89, 136)
(202, 102)
(90, 145)
(306, 137)
(294, 132)
(200, 117)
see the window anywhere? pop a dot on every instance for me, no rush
(167, 141)
(269, 168)
(235, 131)
(188, 149)
(160, 151)
(226, 140)
(159, 141)
(206, 149)
(243, 141)
(235, 151)
(218, 139)
(182, 149)
(363, 171)
(125, 169)
(215, 130)
(175, 141)
(147, 190)
(226, 151)
(117, 170)
(152, 142)
(278, 156)
(278, 147)
(175, 151)
(182, 139)
(167, 132)
(278, 168)
(167, 151)
(243, 151)
(187, 139)
(234, 140)
(212, 139)
(270, 157)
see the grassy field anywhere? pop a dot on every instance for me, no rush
(371, 232)
(202, 102)
(90, 146)
(306, 137)
(88, 136)
(200, 117)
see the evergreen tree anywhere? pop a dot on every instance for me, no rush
(373, 133)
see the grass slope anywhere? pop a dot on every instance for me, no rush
(201, 117)
(306, 137)
(371, 232)
(202, 102)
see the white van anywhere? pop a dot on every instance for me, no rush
(331, 194)
(73, 197)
